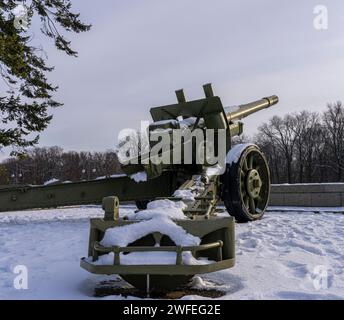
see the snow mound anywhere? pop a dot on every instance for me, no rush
(204, 284)
(122, 236)
(161, 209)
(188, 122)
(173, 122)
(234, 154)
(166, 204)
(110, 176)
(192, 191)
(215, 170)
(51, 181)
(159, 214)
(19, 11)
(185, 194)
(139, 176)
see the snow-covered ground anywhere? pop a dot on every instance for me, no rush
(287, 255)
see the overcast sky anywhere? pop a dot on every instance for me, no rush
(139, 52)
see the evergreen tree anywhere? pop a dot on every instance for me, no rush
(26, 95)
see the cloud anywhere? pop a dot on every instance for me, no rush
(139, 52)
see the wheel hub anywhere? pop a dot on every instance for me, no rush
(253, 183)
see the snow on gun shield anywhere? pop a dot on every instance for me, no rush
(177, 231)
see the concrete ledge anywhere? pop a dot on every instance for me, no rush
(308, 195)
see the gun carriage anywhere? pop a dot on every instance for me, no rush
(243, 184)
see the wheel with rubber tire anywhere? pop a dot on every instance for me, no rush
(246, 183)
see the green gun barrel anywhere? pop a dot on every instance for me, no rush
(252, 107)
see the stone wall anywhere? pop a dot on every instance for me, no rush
(308, 195)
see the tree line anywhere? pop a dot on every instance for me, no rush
(40, 165)
(305, 147)
(302, 147)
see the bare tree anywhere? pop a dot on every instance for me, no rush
(334, 137)
(308, 143)
(281, 134)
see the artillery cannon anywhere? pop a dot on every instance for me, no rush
(242, 183)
